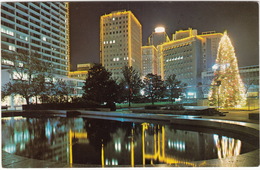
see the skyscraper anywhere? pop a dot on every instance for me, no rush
(181, 56)
(120, 42)
(158, 37)
(151, 63)
(36, 27)
(210, 41)
(40, 27)
(187, 55)
(149, 60)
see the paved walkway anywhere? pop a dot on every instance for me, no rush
(248, 159)
(242, 116)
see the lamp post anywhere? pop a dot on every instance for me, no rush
(218, 84)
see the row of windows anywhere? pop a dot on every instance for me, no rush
(120, 27)
(179, 63)
(120, 45)
(186, 54)
(22, 44)
(54, 60)
(25, 45)
(182, 50)
(11, 18)
(4, 8)
(37, 16)
(9, 40)
(7, 31)
(114, 19)
(7, 24)
(21, 23)
(115, 64)
(178, 46)
(115, 58)
(174, 59)
(116, 32)
(37, 6)
(110, 42)
(115, 23)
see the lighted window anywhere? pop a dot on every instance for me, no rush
(6, 31)
(20, 64)
(8, 62)
(12, 48)
(44, 38)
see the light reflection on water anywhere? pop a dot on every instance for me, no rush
(111, 143)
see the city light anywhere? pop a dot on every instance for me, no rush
(215, 67)
(159, 29)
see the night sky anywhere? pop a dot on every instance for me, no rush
(240, 19)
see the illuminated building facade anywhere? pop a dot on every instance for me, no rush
(187, 55)
(149, 60)
(158, 37)
(81, 75)
(151, 63)
(85, 66)
(120, 42)
(210, 41)
(181, 56)
(40, 27)
(82, 71)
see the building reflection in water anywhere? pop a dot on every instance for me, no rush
(110, 143)
(227, 146)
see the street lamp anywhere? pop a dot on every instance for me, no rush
(218, 84)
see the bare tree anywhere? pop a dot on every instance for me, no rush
(26, 69)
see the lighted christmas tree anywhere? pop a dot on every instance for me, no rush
(227, 89)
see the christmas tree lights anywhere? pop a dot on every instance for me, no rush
(227, 89)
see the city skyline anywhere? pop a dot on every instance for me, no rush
(240, 19)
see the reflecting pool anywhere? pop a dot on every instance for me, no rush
(101, 142)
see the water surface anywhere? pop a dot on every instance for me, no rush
(102, 142)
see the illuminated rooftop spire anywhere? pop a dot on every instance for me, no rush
(159, 29)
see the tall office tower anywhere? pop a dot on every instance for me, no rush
(40, 27)
(181, 56)
(158, 37)
(210, 41)
(149, 60)
(151, 63)
(188, 55)
(120, 42)
(181, 34)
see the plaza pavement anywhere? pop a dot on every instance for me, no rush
(242, 116)
(245, 160)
